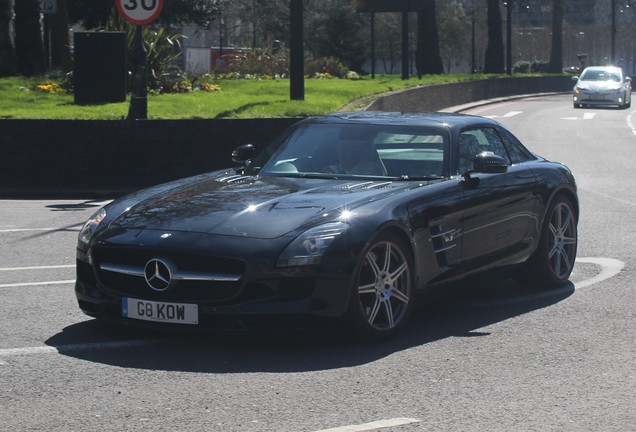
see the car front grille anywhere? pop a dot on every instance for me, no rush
(197, 278)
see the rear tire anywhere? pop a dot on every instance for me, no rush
(383, 289)
(553, 261)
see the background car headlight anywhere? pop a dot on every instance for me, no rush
(89, 227)
(309, 247)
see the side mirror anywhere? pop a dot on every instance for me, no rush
(575, 78)
(243, 154)
(489, 163)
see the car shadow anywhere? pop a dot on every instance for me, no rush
(465, 315)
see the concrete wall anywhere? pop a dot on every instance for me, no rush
(67, 158)
(439, 97)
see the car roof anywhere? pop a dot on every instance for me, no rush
(430, 119)
(604, 68)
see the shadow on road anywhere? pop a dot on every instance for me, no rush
(463, 316)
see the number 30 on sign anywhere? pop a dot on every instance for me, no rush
(139, 12)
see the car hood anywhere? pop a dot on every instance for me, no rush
(259, 207)
(599, 85)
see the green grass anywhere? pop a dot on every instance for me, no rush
(19, 99)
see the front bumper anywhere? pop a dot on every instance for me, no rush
(600, 99)
(284, 303)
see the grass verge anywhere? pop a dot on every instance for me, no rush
(20, 98)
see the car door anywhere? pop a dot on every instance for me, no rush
(499, 209)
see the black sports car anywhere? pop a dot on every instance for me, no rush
(345, 216)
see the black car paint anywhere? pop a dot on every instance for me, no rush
(210, 215)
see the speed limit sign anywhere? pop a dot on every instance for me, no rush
(139, 12)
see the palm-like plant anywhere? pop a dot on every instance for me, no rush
(162, 48)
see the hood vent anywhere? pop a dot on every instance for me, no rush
(234, 179)
(367, 185)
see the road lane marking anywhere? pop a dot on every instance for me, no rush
(11, 352)
(630, 124)
(14, 230)
(586, 116)
(24, 284)
(380, 424)
(512, 114)
(609, 268)
(42, 283)
(37, 267)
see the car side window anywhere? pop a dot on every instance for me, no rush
(518, 153)
(475, 141)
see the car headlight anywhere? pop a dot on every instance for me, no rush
(309, 247)
(91, 225)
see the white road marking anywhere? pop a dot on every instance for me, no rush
(24, 284)
(33, 268)
(37, 267)
(10, 352)
(630, 124)
(586, 116)
(507, 115)
(380, 424)
(14, 230)
(609, 268)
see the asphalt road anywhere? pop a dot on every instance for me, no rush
(497, 360)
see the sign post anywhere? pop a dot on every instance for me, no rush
(139, 12)
(47, 7)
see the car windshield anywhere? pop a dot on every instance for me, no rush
(358, 150)
(600, 75)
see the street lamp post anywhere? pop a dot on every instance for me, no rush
(613, 38)
(509, 39)
(297, 61)
(473, 66)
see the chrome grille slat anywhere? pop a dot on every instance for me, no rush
(179, 275)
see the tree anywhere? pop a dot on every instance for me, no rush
(8, 65)
(556, 53)
(335, 30)
(28, 38)
(269, 20)
(429, 60)
(455, 46)
(494, 60)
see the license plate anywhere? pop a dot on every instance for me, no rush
(175, 313)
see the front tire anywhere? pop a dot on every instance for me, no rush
(553, 261)
(383, 289)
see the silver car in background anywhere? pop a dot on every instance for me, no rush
(602, 85)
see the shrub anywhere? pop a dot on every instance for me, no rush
(326, 66)
(256, 64)
(521, 67)
(163, 48)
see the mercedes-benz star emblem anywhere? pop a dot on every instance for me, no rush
(158, 273)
